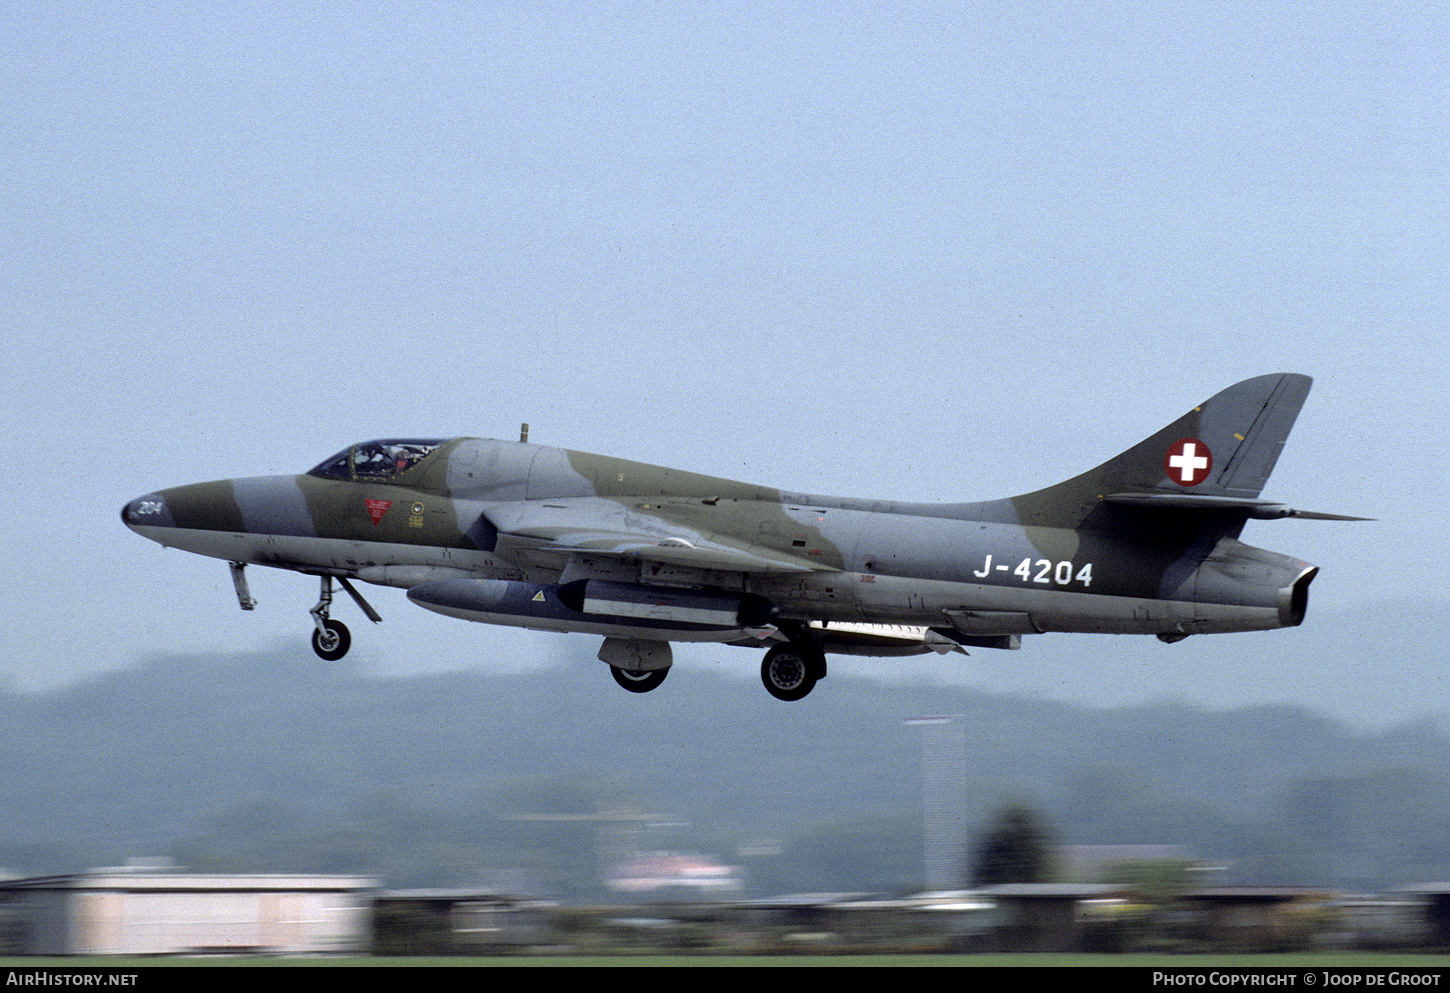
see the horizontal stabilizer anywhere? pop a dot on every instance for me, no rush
(1315, 515)
(1262, 510)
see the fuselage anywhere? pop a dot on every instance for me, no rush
(504, 512)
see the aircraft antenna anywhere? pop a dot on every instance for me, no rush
(524, 433)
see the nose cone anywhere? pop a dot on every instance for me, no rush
(149, 511)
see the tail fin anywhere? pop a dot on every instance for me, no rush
(1218, 456)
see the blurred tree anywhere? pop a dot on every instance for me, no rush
(1012, 850)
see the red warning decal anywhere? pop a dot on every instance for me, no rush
(376, 510)
(1188, 462)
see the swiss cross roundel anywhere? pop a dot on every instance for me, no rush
(1188, 462)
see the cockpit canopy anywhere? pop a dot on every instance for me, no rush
(376, 460)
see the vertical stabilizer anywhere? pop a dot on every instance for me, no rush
(1226, 447)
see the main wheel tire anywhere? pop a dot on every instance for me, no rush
(639, 680)
(333, 645)
(788, 671)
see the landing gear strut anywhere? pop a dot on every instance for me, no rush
(790, 671)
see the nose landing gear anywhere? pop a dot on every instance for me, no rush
(332, 639)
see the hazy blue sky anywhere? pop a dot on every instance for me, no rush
(926, 251)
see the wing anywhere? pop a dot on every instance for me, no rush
(559, 535)
(566, 541)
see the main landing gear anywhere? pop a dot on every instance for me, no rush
(790, 671)
(638, 680)
(637, 665)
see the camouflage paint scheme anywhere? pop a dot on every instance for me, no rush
(532, 536)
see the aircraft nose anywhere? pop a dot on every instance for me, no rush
(147, 511)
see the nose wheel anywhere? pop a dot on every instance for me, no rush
(331, 640)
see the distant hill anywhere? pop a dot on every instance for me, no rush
(272, 760)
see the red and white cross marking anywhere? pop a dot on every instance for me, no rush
(1188, 461)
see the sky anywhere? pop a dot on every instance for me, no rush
(924, 251)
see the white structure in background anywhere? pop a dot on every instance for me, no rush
(944, 800)
(697, 877)
(129, 911)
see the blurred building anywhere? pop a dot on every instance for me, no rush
(1046, 917)
(130, 911)
(1256, 918)
(678, 877)
(460, 922)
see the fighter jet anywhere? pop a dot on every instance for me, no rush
(522, 534)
